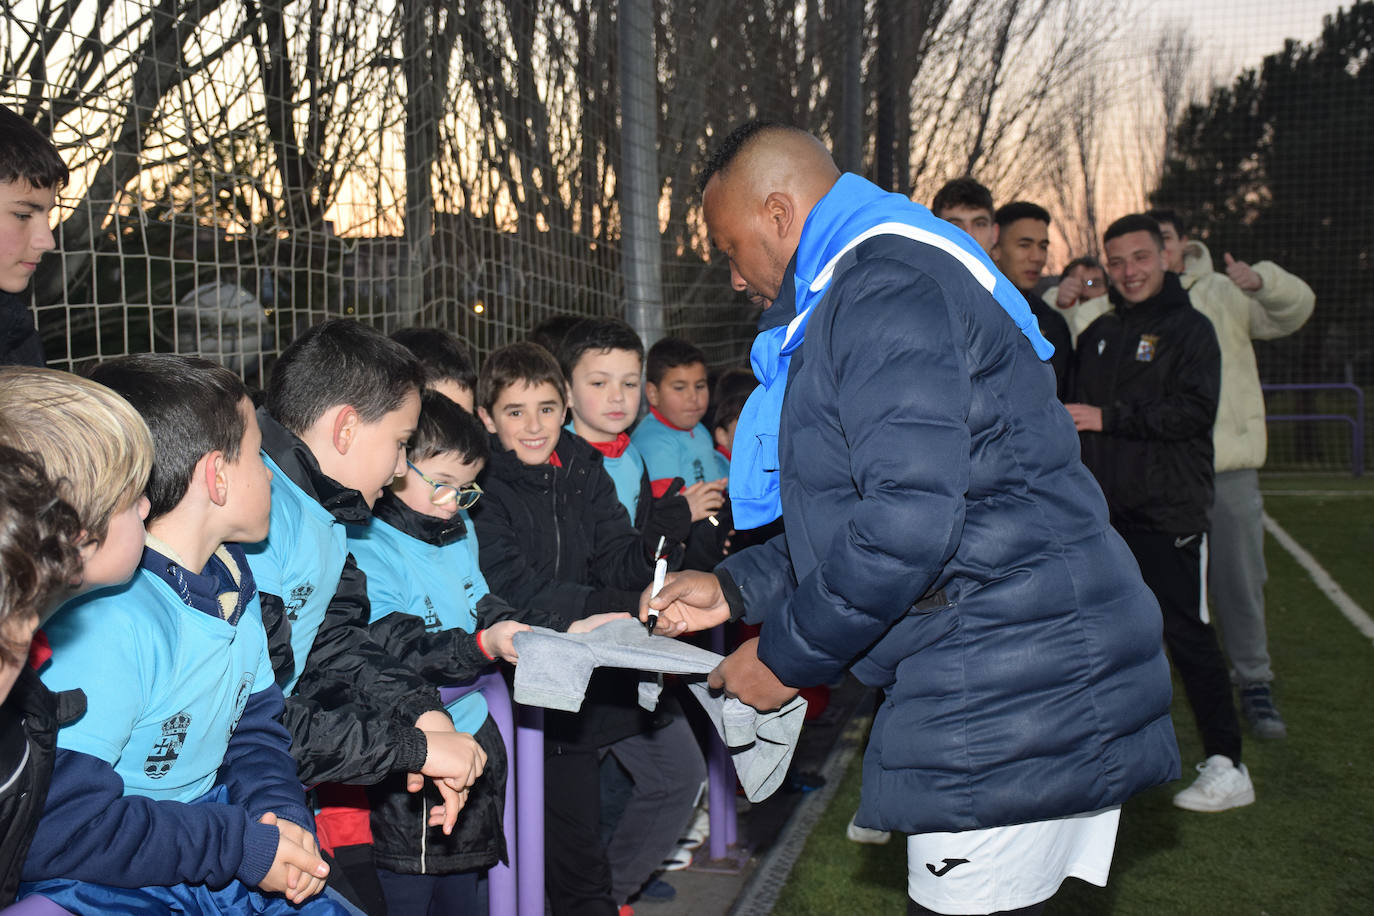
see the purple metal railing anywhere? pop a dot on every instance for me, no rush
(1356, 422)
(517, 888)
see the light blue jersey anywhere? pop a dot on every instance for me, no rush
(440, 585)
(671, 452)
(165, 683)
(300, 562)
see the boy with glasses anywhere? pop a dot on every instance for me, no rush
(427, 597)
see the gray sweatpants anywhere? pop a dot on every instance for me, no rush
(1236, 574)
(667, 768)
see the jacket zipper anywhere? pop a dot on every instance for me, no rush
(424, 839)
(557, 531)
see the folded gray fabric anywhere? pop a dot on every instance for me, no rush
(555, 667)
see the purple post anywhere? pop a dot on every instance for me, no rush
(1356, 422)
(529, 752)
(501, 879)
(721, 779)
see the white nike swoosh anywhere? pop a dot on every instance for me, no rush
(1184, 542)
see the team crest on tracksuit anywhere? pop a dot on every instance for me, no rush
(165, 752)
(296, 600)
(1145, 350)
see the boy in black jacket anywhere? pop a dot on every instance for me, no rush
(1147, 380)
(554, 539)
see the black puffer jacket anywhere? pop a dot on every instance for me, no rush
(29, 719)
(1155, 370)
(555, 541)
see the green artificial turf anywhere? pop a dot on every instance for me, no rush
(1305, 847)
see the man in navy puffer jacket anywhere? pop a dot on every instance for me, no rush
(944, 541)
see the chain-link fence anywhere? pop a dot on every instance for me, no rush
(244, 168)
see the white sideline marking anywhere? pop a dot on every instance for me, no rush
(1343, 602)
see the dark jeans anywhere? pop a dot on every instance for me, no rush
(1172, 567)
(431, 895)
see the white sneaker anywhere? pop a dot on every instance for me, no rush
(866, 834)
(1220, 786)
(697, 831)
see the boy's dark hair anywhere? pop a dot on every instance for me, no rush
(27, 155)
(669, 353)
(962, 192)
(550, 332)
(1020, 209)
(597, 335)
(445, 428)
(732, 389)
(442, 355)
(1134, 222)
(340, 362)
(522, 362)
(191, 406)
(1086, 260)
(40, 536)
(1164, 215)
(736, 140)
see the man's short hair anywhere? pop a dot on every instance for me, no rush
(341, 362)
(191, 406)
(40, 538)
(962, 192)
(669, 353)
(550, 332)
(445, 428)
(727, 399)
(1164, 215)
(27, 155)
(1087, 261)
(1020, 209)
(734, 142)
(442, 354)
(1134, 222)
(523, 362)
(597, 335)
(94, 444)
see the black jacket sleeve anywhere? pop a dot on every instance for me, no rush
(620, 558)
(441, 657)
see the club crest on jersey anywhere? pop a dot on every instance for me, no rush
(241, 701)
(1145, 350)
(165, 752)
(431, 616)
(296, 600)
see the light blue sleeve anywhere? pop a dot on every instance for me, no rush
(107, 652)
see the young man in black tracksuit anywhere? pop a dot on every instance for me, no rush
(1147, 379)
(554, 538)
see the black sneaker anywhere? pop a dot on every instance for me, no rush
(1257, 703)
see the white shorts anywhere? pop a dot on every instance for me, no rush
(1007, 868)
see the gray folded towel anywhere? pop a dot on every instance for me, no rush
(555, 667)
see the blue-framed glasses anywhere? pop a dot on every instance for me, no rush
(446, 494)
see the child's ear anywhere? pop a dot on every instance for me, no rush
(721, 437)
(651, 392)
(485, 417)
(345, 428)
(216, 481)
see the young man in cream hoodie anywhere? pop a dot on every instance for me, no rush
(1247, 302)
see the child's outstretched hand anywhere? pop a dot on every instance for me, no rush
(499, 639)
(297, 870)
(587, 624)
(705, 498)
